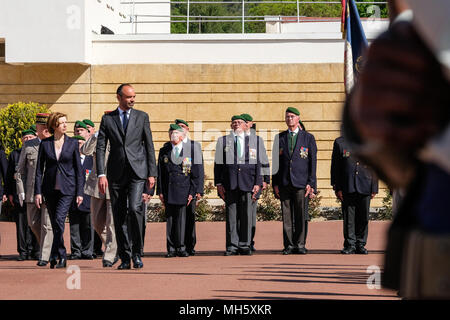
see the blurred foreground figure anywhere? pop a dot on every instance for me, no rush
(397, 120)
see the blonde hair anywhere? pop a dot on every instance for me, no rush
(52, 122)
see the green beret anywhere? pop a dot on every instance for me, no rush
(178, 121)
(237, 117)
(33, 127)
(80, 124)
(247, 117)
(88, 122)
(174, 126)
(293, 110)
(27, 132)
(79, 138)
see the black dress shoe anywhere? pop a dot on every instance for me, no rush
(191, 252)
(252, 248)
(87, 257)
(302, 251)
(287, 251)
(33, 256)
(62, 263)
(231, 253)
(42, 263)
(137, 262)
(124, 266)
(348, 250)
(22, 257)
(183, 254)
(245, 251)
(74, 257)
(361, 250)
(107, 264)
(171, 255)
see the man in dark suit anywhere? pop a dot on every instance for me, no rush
(81, 231)
(178, 179)
(27, 245)
(355, 185)
(237, 175)
(294, 161)
(131, 164)
(265, 168)
(191, 236)
(3, 169)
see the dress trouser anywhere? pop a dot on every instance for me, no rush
(238, 219)
(355, 209)
(126, 200)
(103, 224)
(293, 212)
(58, 206)
(40, 223)
(190, 236)
(26, 241)
(144, 226)
(81, 233)
(175, 227)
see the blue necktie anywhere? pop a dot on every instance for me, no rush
(124, 121)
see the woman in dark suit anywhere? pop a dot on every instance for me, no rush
(59, 178)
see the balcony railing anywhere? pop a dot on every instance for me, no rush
(243, 18)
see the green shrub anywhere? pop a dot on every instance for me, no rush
(204, 211)
(269, 208)
(14, 119)
(385, 212)
(314, 209)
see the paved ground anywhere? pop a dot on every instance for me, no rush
(322, 274)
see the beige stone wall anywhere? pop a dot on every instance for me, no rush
(207, 93)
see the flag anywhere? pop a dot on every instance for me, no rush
(355, 43)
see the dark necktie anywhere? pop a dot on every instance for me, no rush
(124, 121)
(291, 142)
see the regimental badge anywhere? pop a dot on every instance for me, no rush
(166, 160)
(252, 153)
(346, 153)
(186, 165)
(281, 151)
(88, 172)
(303, 152)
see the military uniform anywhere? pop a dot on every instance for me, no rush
(238, 172)
(357, 183)
(101, 211)
(294, 161)
(38, 219)
(178, 177)
(27, 245)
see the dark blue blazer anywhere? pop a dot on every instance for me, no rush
(68, 167)
(299, 169)
(237, 174)
(174, 184)
(3, 169)
(85, 206)
(10, 186)
(348, 174)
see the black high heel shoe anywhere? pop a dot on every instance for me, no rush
(62, 263)
(52, 263)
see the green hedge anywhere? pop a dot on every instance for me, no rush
(15, 118)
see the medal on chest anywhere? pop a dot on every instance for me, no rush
(186, 165)
(303, 152)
